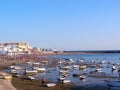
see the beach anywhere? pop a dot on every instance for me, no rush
(94, 80)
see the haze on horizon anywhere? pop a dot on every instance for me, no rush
(62, 24)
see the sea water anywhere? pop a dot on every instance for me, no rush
(53, 74)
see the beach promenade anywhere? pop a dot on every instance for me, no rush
(5, 84)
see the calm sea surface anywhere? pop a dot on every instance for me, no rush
(115, 57)
(106, 69)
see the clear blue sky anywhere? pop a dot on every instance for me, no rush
(62, 24)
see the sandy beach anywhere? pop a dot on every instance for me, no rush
(5, 84)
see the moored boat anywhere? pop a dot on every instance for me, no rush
(82, 76)
(31, 77)
(66, 81)
(98, 70)
(81, 60)
(76, 66)
(83, 67)
(114, 67)
(50, 84)
(61, 78)
(66, 67)
(63, 71)
(31, 71)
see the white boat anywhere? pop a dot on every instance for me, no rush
(29, 63)
(82, 76)
(15, 67)
(13, 71)
(81, 60)
(37, 63)
(45, 61)
(31, 77)
(12, 67)
(69, 59)
(66, 67)
(61, 78)
(18, 68)
(76, 66)
(102, 62)
(31, 71)
(63, 71)
(83, 67)
(39, 69)
(98, 70)
(66, 81)
(50, 84)
(114, 67)
(60, 62)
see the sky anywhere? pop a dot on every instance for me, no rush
(62, 24)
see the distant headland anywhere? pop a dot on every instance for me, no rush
(94, 51)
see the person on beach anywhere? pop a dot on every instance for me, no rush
(119, 73)
(43, 81)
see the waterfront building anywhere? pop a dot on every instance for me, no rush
(15, 48)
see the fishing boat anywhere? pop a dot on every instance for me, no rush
(29, 63)
(98, 70)
(37, 63)
(66, 67)
(83, 67)
(76, 66)
(18, 68)
(66, 81)
(114, 67)
(69, 60)
(31, 71)
(61, 78)
(31, 77)
(63, 71)
(50, 84)
(81, 60)
(12, 67)
(82, 76)
(60, 62)
(13, 71)
(41, 69)
(102, 62)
